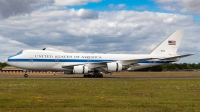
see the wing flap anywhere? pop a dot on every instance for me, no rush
(134, 61)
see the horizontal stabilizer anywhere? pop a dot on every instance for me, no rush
(180, 56)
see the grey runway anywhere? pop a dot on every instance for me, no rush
(110, 76)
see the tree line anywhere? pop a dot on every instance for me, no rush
(164, 67)
(174, 67)
(2, 65)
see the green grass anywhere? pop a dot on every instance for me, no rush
(97, 95)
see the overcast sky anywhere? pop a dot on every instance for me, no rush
(100, 26)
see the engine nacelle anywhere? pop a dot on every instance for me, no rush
(114, 67)
(80, 70)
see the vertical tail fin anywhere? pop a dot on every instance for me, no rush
(169, 45)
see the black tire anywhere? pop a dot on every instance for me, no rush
(101, 76)
(96, 75)
(86, 75)
(25, 75)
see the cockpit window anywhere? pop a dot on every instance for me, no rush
(20, 52)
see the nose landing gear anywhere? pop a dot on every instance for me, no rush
(25, 73)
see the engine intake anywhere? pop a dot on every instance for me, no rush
(114, 67)
(80, 70)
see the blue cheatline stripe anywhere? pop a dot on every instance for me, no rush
(80, 60)
(54, 60)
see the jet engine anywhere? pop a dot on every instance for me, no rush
(114, 67)
(80, 70)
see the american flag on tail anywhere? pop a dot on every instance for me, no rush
(171, 42)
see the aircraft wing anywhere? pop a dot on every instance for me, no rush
(123, 62)
(180, 56)
(90, 65)
(101, 64)
(134, 61)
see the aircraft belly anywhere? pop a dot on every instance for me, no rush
(35, 66)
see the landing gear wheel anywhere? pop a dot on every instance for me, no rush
(25, 75)
(101, 75)
(96, 75)
(85, 75)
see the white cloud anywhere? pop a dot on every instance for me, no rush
(169, 21)
(15, 7)
(187, 6)
(144, 7)
(119, 6)
(87, 14)
(9, 8)
(74, 2)
(9, 46)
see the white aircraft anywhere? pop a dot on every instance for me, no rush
(92, 64)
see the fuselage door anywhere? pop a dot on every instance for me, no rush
(152, 62)
(56, 60)
(88, 60)
(30, 60)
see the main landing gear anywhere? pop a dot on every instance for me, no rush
(100, 75)
(96, 74)
(25, 73)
